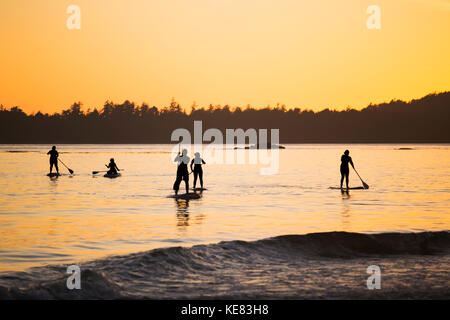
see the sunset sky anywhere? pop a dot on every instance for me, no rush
(308, 54)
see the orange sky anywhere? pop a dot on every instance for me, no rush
(308, 54)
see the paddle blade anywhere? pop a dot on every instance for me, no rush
(366, 186)
(71, 171)
(95, 172)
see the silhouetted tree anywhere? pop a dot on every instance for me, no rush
(421, 120)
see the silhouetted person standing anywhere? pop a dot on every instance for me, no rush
(198, 171)
(345, 170)
(182, 171)
(53, 159)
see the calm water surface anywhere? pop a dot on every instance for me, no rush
(83, 217)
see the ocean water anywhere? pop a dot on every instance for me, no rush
(133, 241)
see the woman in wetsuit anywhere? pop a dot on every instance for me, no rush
(53, 159)
(198, 171)
(182, 171)
(345, 170)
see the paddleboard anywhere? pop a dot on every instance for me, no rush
(353, 188)
(199, 189)
(186, 196)
(111, 176)
(53, 174)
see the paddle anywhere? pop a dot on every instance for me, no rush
(70, 170)
(95, 172)
(366, 186)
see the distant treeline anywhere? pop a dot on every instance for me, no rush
(423, 120)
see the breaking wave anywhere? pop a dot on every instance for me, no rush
(268, 268)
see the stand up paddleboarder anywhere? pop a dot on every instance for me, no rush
(345, 170)
(198, 171)
(53, 159)
(182, 171)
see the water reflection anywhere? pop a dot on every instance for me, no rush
(53, 183)
(241, 203)
(346, 217)
(345, 194)
(184, 215)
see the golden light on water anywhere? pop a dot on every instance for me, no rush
(47, 221)
(271, 223)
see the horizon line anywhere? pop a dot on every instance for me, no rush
(216, 106)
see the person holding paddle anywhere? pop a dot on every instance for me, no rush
(112, 167)
(345, 170)
(53, 159)
(182, 171)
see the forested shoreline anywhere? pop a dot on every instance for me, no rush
(425, 120)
